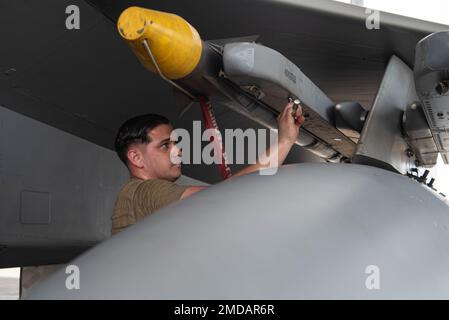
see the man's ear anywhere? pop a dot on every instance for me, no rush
(135, 157)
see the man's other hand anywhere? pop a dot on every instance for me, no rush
(289, 124)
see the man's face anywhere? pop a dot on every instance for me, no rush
(156, 154)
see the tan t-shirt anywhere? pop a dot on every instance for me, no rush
(140, 198)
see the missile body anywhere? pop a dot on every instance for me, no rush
(168, 45)
(175, 44)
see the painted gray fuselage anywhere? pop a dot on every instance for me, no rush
(310, 231)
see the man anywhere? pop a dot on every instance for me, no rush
(143, 144)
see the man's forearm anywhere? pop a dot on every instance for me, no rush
(289, 122)
(274, 157)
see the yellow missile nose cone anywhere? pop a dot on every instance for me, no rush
(132, 23)
(174, 43)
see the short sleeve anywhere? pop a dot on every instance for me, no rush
(153, 194)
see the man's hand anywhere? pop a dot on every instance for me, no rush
(288, 131)
(288, 124)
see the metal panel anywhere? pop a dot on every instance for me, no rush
(432, 83)
(39, 164)
(381, 142)
(419, 136)
(35, 207)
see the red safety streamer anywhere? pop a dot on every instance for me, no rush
(211, 123)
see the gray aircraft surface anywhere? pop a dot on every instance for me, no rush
(356, 201)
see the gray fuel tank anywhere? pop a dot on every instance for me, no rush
(321, 231)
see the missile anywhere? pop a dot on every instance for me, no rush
(252, 80)
(175, 44)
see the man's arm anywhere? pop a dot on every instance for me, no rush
(288, 131)
(191, 190)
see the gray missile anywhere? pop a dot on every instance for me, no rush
(251, 79)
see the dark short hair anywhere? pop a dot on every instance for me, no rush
(135, 130)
